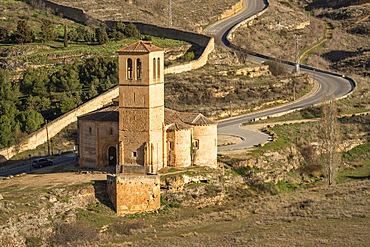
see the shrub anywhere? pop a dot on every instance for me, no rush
(125, 228)
(276, 68)
(73, 232)
(188, 56)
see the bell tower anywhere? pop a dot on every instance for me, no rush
(141, 109)
(135, 187)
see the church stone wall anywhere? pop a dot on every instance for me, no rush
(134, 193)
(94, 145)
(87, 152)
(106, 139)
(182, 147)
(206, 152)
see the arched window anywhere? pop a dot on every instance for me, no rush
(138, 69)
(154, 69)
(129, 69)
(159, 68)
(111, 131)
(90, 130)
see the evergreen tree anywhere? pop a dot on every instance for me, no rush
(23, 33)
(101, 35)
(65, 35)
(30, 121)
(132, 31)
(47, 31)
(72, 35)
(6, 131)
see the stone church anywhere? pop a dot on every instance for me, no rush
(138, 136)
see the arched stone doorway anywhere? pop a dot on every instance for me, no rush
(112, 156)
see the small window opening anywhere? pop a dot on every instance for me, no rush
(134, 154)
(154, 69)
(129, 69)
(111, 131)
(90, 130)
(159, 68)
(196, 144)
(138, 68)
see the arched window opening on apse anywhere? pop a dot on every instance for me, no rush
(138, 69)
(111, 131)
(159, 68)
(154, 69)
(129, 69)
(90, 130)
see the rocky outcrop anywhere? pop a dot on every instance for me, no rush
(43, 211)
(251, 72)
(274, 166)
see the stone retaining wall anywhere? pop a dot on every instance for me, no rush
(39, 137)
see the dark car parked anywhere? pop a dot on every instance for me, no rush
(40, 162)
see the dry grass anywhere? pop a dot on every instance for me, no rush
(189, 15)
(205, 90)
(273, 33)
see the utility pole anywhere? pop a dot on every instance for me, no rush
(297, 37)
(169, 13)
(47, 136)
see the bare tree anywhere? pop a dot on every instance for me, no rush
(329, 138)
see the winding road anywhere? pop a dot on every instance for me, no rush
(329, 83)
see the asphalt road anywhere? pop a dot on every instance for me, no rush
(330, 84)
(26, 168)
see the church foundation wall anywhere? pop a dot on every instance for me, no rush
(134, 193)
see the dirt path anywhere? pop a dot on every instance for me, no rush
(46, 181)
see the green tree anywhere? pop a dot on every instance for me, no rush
(65, 37)
(23, 33)
(66, 103)
(73, 35)
(47, 31)
(86, 34)
(9, 95)
(34, 82)
(6, 131)
(101, 35)
(118, 32)
(38, 103)
(132, 31)
(30, 121)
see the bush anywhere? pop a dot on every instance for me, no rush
(188, 56)
(276, 68)
(125, 228)
(74, 232)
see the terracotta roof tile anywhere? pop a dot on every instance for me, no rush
(173, 119)
(141, 47)
(109, 114)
